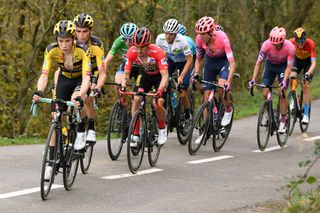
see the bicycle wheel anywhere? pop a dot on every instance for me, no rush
(184, 125)
(199, 130)
(169, 115)
(263, 126)
(282, 137)
(152, 143)
(45, 185)
(71, 160)
(292, 99)
(222, 134)
(135, 154)
(115, 138)
(304, 126)
(86, 157)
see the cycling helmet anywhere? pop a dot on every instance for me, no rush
(218, 28)
(64, 28)
(171, 26)
(205, 24)
(83, 20)
(277, 35)
(128, 29)
(141, 37)
(182, 29)
(300, 35)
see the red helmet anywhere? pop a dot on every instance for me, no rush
(205, 24)
(141, 37)
(277, 35)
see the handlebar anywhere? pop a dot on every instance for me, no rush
(265, 86)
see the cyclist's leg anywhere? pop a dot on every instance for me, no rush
(91, 134)
(306, 64)
(294, 73)
(268, 77)
(184, 89)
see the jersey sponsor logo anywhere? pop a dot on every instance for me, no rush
(164, 61)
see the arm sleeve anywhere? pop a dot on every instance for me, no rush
(227, 49)
(313, 54)
(115, 46)
(199, 50)
(86, 63)
(162, 60)
(292, 52)
(47, 62)
(129, 60)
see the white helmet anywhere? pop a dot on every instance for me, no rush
(171, 26)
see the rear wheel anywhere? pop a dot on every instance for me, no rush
(86, 157)
(292, 99)
(153, 147)
(135, 152)
(263, 126)
(71, 160)
(45, 184)
(115, 137)
(223, 132)
(282, 137)
(184, 125)
(199, 130)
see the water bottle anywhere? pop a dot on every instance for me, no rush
(174, 99)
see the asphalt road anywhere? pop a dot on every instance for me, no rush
(235, 181)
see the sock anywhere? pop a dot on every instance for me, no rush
(51, 154)
(81, 126)
(91, 124)
(306, 109)
(162, 124)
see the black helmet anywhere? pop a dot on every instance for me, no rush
(83, 20)
(64, 28)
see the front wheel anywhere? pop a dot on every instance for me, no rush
(282, 137)
(292, 99)
(199, 130)
(184, 125)
(71, 160)
(263, 126)
(86, 157)
(50, 158)
(152, 143)
(136, 142)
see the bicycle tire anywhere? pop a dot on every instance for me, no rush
(45, 186)
(183, 125)
(86, 157)
(222, 133)
(201, 127)
(135, 154)
(71, 160)
(114, 146)
(283, 137)
(153, 147)
(264, 110)
(292, 99)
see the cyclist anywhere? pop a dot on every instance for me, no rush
(215, 45)
(279, 53)
(122, 43)
(153, 73)
(178, 57)
(84, 24)
(72, 58)
(305, 59)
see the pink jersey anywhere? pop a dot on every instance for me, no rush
(220, 47)
(269, 51)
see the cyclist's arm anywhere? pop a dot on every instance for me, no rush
(56, 76)
(312, 67)
(256, 70)
(197, 65)
(187, 66)
(290, 59)
(101, 69)
(164, 79)
(85, 85)
(107, 61)
(127, 71)
(313, 59)
(231, 71)
(42, 82)
(43, 79)
(261, 57)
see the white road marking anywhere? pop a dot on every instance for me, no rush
(312, 138)
(25, 191)
(210, 159)
(143, 172)
(270, 149)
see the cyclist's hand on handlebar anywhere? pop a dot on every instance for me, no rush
(79, 102)
(122, 90)
(196, 77)
(307, 77)
(251, 83)
(97, 92)
(37, 95)
(159, 93)
(283, 85)
(180, 80)
(227, 86)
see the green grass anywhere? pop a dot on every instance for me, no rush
(21, 140)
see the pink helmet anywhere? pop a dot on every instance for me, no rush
(205, 24)
(277, 35)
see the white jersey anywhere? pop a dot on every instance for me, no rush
(178, 50)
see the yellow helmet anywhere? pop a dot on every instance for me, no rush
(300, 35)
(83, 20)
(64, 28)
